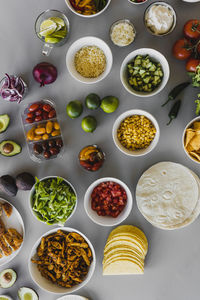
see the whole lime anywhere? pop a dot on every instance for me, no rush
(89, 124)
(74, 109)
(92, 101)
(109, 104)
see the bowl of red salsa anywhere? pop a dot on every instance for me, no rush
(108, 201)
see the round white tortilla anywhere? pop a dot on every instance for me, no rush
(167, 195)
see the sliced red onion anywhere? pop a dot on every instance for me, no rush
(12, 89)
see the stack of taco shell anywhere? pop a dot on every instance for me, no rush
(125, 251)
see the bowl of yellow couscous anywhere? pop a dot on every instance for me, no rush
(136, 132)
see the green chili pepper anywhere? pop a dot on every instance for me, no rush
(174, 111)
(175, 91)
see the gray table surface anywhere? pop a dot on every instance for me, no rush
(173, 260)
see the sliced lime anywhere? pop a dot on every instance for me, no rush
(47, 24)
(59, 34)
(58, 21)
(52, 40)
(46, 32)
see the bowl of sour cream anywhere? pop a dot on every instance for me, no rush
(160, 18)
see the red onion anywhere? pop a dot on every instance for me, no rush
(13, 88)
(44, 73)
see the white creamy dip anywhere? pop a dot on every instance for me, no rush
(159, 19)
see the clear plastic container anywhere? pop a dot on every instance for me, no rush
(41, 149)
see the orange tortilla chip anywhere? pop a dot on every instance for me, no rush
(195, 142)
(188, 136)
(197, 156)
(196, 125)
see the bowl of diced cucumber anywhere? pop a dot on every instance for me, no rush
(144, 72)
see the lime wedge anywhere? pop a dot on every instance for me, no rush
(60, 34)
(52, 40)
(58, 21)
(47, 24)
(47, 27)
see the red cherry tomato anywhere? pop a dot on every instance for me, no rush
(182, 49)
(38, 112)
(47, 107)
(191, 29)
(198, 48)
(52, 114)
(30, 115)
(45, 115)
(33, 107)
(29, 120)
(192, 64)
(38, 118)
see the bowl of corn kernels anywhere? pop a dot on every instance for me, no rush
(135, 132)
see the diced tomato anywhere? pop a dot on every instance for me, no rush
(108, 199)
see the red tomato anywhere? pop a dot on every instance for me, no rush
(33, 107)
(198, 48)
(191, 64)
(191, 29)
(182, 49)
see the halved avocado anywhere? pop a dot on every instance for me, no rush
(4, 297)
(10, 148)
(7, 278)
(25, 293)
(4, 122)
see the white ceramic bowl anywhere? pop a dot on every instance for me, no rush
(154, 55)
(137, 3)
(141, 151)
(162, 3)
(14, 221)
(107, 220)
(87, 16)
(46, 284)
(191, 1)
(83, 42)
(31, 196)
(183, 138)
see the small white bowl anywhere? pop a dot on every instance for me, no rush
(84, 42)
(107, 220)
(154, 55)
(165, 4)
(87, 16)
(137, 3)
(128, 114)
(31, 196)
(46, 284)
(122, 21)
(183, 139)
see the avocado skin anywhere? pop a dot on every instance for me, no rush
(25, 181)
(8, 186)
(5, 119)
(17, 148)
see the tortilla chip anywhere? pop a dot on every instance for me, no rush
(188, 136)
(196, 125)
(189, 148)
(195, 142)
(197, 156)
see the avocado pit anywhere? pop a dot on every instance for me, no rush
(8, 148)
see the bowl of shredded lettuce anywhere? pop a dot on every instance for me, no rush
(53, 200)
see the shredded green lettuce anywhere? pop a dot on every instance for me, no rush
(53, 200)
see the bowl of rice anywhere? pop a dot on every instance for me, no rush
(89, 60)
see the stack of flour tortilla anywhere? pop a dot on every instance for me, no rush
(125, 251)
(168, 195)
